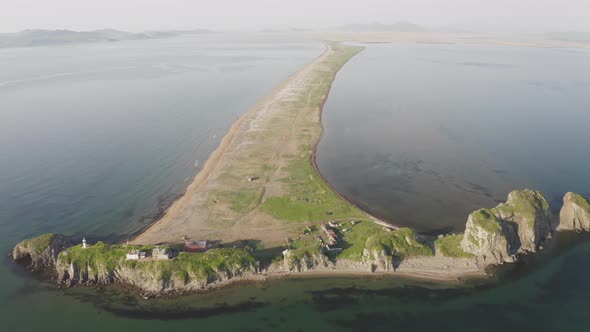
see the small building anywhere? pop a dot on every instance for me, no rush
(161, 254)
(196, 246)
(332, 236)
(134, 255)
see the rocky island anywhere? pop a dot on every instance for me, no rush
(518, 227)
(259, 209)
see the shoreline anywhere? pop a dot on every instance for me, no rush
(374, 218)
(213, 159)
(203, 175)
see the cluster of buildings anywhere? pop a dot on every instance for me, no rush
(165, 253)
(332, 238)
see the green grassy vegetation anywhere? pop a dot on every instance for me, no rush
(485, 218)
(40, 243)
(186, 266)
(239, 201)
(524, 203)
(450, 246)
(400, 243)
(356, 238)
(304, 251)
(95, 256)
(581, 201)
(309, 198)
(200, 266)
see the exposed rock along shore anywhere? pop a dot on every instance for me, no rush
(493, 236)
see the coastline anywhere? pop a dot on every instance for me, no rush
(260, 195)
(214, 157)
(374, 218)
(206, 179)
(342, 267)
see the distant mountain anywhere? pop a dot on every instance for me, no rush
(570, 36)
(30, 38)
(379, 27)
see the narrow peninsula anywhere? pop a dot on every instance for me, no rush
(259, 208)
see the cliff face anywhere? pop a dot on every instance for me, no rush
(382, 251)
(149, 278)
(104, 264)
(520, 225)
(575, 213)
(301, 261)
(485, 238)
(377, 260)
(40, 252)
(526, 218)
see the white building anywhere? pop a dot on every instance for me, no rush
(161, 254)
(135, 255)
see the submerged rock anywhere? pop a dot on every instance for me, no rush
(575, 213)
(485, 238)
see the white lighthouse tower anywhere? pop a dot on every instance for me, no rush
(84, 243)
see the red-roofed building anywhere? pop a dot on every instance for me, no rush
(196, 246)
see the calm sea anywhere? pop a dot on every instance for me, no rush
(95, 139)
(422, 135)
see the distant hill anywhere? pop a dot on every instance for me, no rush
(31, 38)
(379, 27)
(570, 36)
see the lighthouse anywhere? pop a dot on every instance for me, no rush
(84, 243)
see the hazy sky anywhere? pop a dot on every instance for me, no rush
(137, 15)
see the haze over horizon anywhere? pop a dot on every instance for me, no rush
(140, 15)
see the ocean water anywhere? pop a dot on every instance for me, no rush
(97, 139)
(421, 135)
(98, 154)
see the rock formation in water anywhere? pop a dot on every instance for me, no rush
(575, 213)
(520, 225)
(526, 219)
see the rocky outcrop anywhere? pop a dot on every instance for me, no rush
(103, 264)
(485, 238)
(377, 260)
(305, 260)
(526, 219)
(383, 251)
(575, 213)
(518, 226)
(149, 279)
(40, 252)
